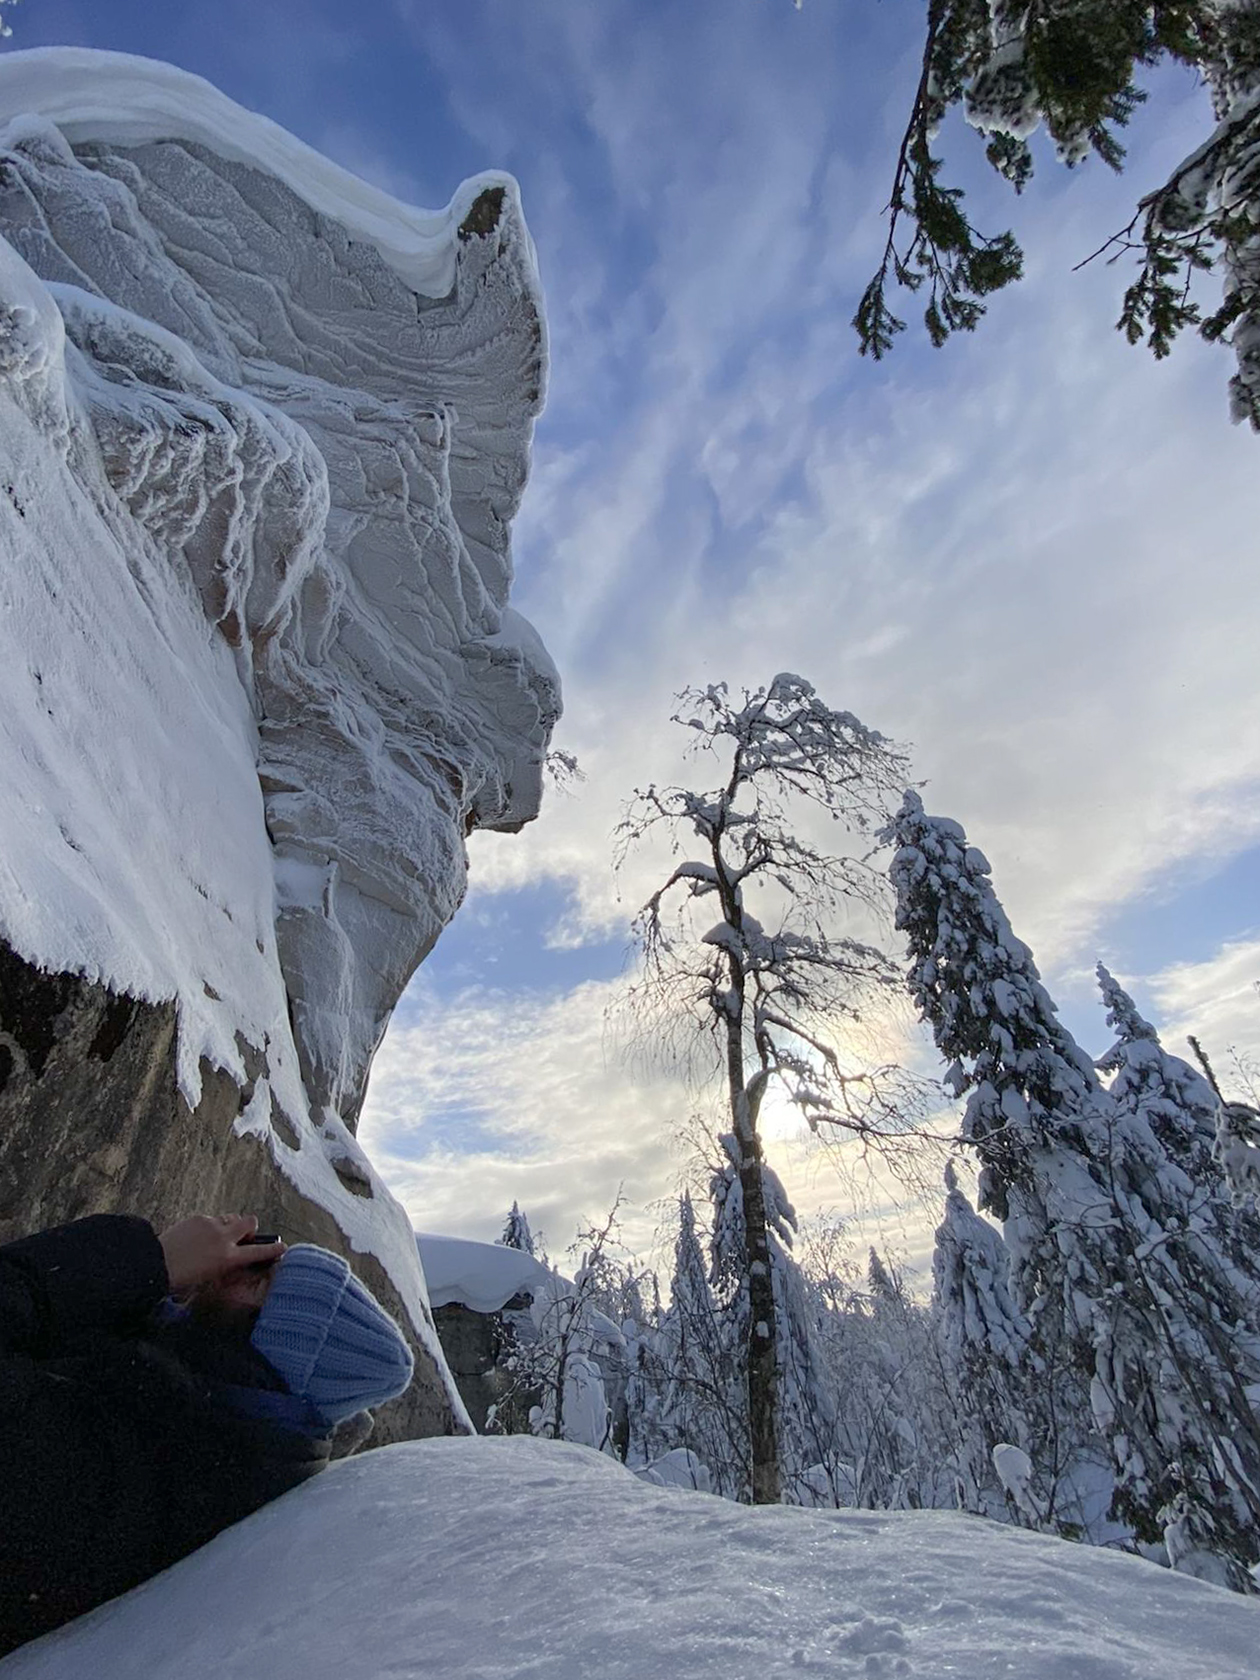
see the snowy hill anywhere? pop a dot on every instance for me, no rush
(469, 1558)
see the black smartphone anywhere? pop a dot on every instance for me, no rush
(259, 1241)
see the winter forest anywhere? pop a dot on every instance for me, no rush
(810, 1156)
(1089, 1360)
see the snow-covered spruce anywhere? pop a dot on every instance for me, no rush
(685, 1392)
(986, 1356)
(1183, 1113)
(1073, 67)
(1238, 1149)
(516, 1231)
(1131, 1297)
(1193, 1290)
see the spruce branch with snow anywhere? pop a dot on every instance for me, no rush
(991, 1371)
(872, 1426)
(1073, 68)
(770, 984)
(1237, 1126)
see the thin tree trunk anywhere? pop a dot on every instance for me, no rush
(763, 1371)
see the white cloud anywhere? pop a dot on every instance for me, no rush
(1030, 554)
(559, 1123)
(1218, 1001)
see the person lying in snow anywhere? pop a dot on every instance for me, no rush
(154, 1390)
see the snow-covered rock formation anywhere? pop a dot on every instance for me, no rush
(264, 431)
(483, 1277)
(518, 1557)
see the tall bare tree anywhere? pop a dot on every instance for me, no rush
(752, 944)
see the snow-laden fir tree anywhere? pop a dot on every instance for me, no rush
(1072, 67)
(1127, 1296)
(984, 1342)
(1192, 1440)
(1032, 1117)
(880, 1283)
(516, 1232)
(687, 1393)
(1238, 1129)
(889, 1400)
(748, 952)
(1238, 1148)
(1183, 1112)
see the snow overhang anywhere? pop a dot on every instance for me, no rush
(483, 1276)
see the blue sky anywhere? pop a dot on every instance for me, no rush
(1031, 555)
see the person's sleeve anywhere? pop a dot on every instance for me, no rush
(104, 1273)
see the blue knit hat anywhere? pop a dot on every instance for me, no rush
(330, 1340)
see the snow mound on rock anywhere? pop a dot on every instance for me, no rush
(515, 1557)
(483, 1276)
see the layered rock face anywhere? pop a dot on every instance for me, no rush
(264, 431)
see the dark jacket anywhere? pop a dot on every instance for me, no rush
(120, 1448)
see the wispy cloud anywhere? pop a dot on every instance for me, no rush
(1218, 1001)
(1025, 555)
(560, 1123)
(1028, 555)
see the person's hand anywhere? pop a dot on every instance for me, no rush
(206, 1249)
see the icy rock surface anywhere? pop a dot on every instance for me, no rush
(264, 430)
(515, 1557)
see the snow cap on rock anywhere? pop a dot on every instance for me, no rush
(328, 1337)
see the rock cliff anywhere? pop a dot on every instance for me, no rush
(264, 431)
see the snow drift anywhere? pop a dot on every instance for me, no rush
(514, 1557)
(264, 432)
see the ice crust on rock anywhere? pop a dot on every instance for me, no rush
(520, 1557)
(264, 433)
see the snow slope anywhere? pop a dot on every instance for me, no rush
(468, 1559)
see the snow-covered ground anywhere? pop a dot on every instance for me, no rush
(465, 1559)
